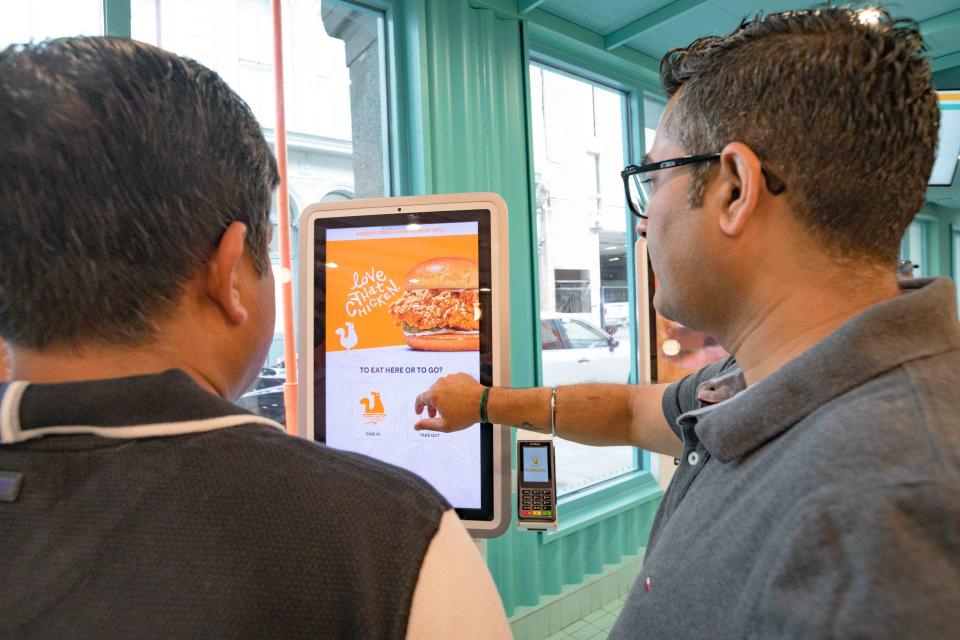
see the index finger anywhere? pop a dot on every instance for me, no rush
(432, 424)
(423, 401)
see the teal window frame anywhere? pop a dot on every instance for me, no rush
(561, 49)
(925, 262)
(955, 251)
(117, 18)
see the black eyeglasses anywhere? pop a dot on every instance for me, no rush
(638, 187)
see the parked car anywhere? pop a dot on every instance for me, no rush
(265, 395)
(576, 350)
(270, 377)
(266, 402)
(616, 316)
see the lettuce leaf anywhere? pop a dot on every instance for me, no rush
(409, 329)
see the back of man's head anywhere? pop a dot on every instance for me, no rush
(121, 166)
(838, 104)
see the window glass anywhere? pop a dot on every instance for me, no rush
(581, 336)
(583, 236)
(334, 79)
(38, 20)
(572, 287)
(653, 107)
(550, 334)
(913, 247)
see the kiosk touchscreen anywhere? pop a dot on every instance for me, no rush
(396, 293)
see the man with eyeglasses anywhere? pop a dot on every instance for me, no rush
(818, 490)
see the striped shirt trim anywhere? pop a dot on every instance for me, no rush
(11, 431)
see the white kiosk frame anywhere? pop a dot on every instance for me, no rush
(500, 272)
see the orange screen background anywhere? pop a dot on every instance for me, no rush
(394, 257)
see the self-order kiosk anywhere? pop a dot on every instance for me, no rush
(395, 293)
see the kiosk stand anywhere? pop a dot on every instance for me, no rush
(394, 294)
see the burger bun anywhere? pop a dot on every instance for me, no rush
(444, 342)
(444, 273)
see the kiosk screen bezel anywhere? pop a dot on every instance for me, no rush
(484, 251)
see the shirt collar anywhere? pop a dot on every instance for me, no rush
(922, 322)
(163, 404)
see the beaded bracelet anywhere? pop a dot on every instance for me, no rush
(483, 406)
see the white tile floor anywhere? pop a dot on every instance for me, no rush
(593, 626)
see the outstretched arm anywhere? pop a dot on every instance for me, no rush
(597, 414)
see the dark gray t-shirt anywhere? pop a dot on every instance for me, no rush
(823, 501)
(239, 532)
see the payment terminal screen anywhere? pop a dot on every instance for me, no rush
(535, 464)
(402, 301)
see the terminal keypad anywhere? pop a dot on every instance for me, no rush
(536, 503)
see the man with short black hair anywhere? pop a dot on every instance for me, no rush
(137, 299)
(818, 489)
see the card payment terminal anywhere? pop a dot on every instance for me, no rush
(536, 485)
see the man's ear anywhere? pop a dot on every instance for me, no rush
(223, 273)
(741, 180)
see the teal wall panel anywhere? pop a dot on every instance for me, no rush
(475, 138)
(526, 568)
(947, 79)
(940, 221)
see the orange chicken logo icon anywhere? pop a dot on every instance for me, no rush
(373, 412)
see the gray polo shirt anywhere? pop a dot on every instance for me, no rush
(823, 501)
